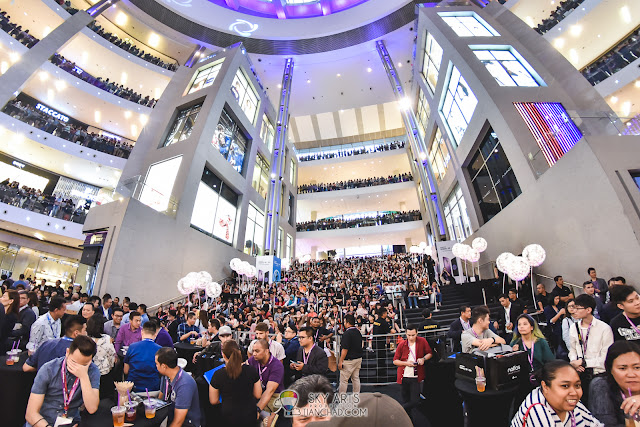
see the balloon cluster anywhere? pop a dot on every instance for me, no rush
(422, 248)
(243, 268)
(518, 267)
(470, 253)
(197, 281)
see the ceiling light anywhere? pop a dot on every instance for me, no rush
(14, 57)
(399, 64)
(625, 14)
(573, 55)
(154, 40)
(626, 108)
(127, 114)
(121, 18)
(157, 93)
(529, 21)
(123, 78)
(144, 119)
(369, 70)
(575, 30)
(134, 130)
(50, 95)
(558, 43)
(405, 103)
(60, 85)
(97, 116)
(46, 31)
(423, 156)
(4, 66)
(38, 236)
(638, 83)
(44, 76)
(308, 81)
(338, 75)
(613, 99)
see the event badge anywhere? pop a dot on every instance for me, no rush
(62, 421)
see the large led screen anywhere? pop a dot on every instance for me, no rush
(230, 141)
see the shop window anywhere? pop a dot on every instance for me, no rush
(260, 180)
(636, 178)
(289, 246)
(439, 155)
(507, 67)
(432, 61)
(456, 216)
(468, 24)
(267, 133)
(158, 184)
(423, 112)
(183, 124)
(230, 141)
(215, 209)
(205, 77)
(290, 214)
(245, 94)
(292, 172)
(492, 178)
(254, 237)
(458, 105)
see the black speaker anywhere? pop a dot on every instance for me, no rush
(91, 255)
(399, 249)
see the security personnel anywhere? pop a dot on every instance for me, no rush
(381, 327)
(427, 324)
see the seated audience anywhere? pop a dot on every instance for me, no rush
(479, 335)
(188, 330)
(129, 333)
(57, 347)
(178, 388)
(48, 326)
(271, 373)
(458, 326)
(139, 362)
(111, 327)
(625, 325)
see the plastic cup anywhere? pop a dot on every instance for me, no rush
(16, 355)
(481, 384)
(149, 409)
(10, 358)
(192, 341)
(131, 410)
(118, 415)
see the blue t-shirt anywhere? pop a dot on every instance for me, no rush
(141, 358)
(49, 382)
(183, 392)
(48, 351)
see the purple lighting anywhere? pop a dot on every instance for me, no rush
(268, 9)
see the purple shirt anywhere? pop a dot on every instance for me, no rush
(127, 337)
(272, 371)
(163, 338)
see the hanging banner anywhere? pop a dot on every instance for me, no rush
(269, 268)
(447, 261)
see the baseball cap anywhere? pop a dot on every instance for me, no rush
(382, 410)
(225, 330)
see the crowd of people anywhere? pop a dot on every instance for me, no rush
(354, 183)
(16, 31)
(352, 152)
(615, 60)
(365, 221)
(35, 200)
(131, 48)
(106, 85)
(564, 8)
(76, 134)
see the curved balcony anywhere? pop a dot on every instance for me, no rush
(347, 152)
(353, 221)
(353, 184)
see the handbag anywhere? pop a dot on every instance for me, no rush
(526, 414)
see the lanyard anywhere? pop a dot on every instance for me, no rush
(586, 338)
(261, 371)
(465, 325)
(530, 357)
(51, 323)
(306, 357)
(67, 395)
(166, 388)
(474, 333)
(632, 324)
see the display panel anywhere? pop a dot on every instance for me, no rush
(439, 155)
(254, 236)
(158, 184)
(183, 124)
(245, 94)
(267, 133)
(260, 181)
(215, 209)
(458, 106)
(230, 141)
(205, 77)
(468, 24)
(506, 67)
(456, 216)
(495, 185)
(551, 126)
(204, 209)
(422, 112)
(432, 61)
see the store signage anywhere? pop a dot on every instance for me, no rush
(110, 135)
(95, 239)
(18, 164)
(52, 113)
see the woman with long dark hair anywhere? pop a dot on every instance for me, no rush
(615, 395)
(10, 306)
(239, 387)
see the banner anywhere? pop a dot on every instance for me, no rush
(269, 269)
(448, 262)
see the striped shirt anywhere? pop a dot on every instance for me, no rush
(544, 416)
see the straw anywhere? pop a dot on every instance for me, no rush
(18, 345)
(129, 394)
(629, 390)
(148, 398)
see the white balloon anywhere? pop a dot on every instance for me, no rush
(213, 290)
(455, 249)
(479, 244)
(502, 261)
(517, 268)
(234, 263)
(534, 254)
(414, 249)
(250, 272)
(473, 255)
(186, 285)
(465, 252)
(423, 245)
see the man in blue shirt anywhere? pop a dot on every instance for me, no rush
(140, 363)
(188, 329)
(179, 388)
(49, 400)
(52, 349)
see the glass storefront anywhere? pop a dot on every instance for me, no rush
(36, 264)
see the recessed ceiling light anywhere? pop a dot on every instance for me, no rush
(369, 70)
(308, 81)
(338, 75)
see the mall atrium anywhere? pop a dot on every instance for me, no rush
(145, 139)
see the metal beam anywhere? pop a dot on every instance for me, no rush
(101, 6)
(281, 8)
(277, 162)
(428, 182)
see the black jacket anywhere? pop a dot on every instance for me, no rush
(455, 331)
(514, 311)
(317, 363)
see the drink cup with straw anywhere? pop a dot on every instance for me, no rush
(149, 409)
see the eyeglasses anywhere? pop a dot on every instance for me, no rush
(578, 307)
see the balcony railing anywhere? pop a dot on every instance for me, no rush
(346, 150)
(365, 220)
(565, 8)
(618, 57)
(45, 204)
(354, 183)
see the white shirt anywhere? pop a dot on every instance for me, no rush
(507, 317)
(600, 339)
(410, 371)
(275, 348)
(43, 329)
(544, 416)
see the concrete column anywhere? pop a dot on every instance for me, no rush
(407, 243)
(314, 215)
(17, 75)
(314, 252)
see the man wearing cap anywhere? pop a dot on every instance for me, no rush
(409, 358)
(214, 349)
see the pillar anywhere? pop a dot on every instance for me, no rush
(314, 215)
(314, 252)
(407, 243)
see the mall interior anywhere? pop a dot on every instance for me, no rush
(141, 140)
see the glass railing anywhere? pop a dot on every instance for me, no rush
(369, 219)
(346, 150)
(46, 204)
(135, 188)
(16, 31)
(562, 11)
(354, 183)
(77, 135)
(623, 54)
